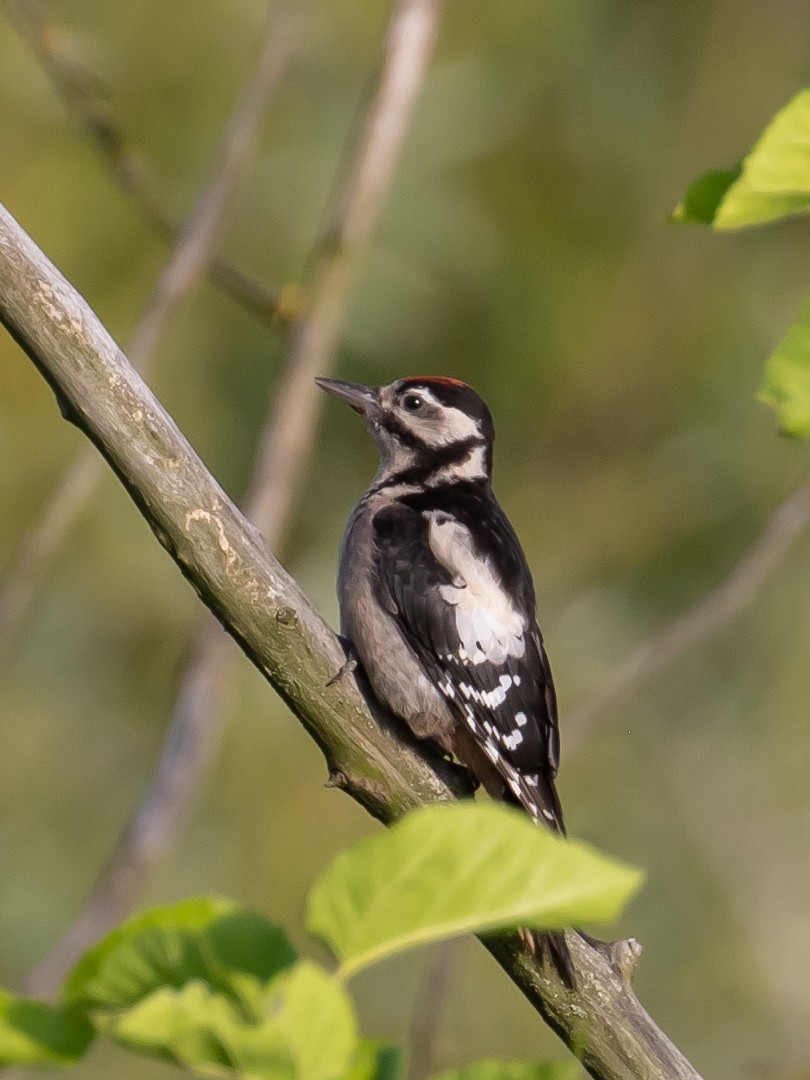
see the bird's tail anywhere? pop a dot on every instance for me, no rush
(541, 801)
(537, 796)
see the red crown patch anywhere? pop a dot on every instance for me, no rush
(426, 380)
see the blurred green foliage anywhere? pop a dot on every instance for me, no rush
(524, 248)
(516, 1070)
(772, 183)
(787, 378)
(218, 989)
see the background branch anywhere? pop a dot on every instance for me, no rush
(178, 278)
(193, 251)
(408, 45)
(195, 729)
(190, 745)
(82, 94)
(227, 563)
(717, 607)
(424, 1032)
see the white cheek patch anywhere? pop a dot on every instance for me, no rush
(488, 627)
(443, 429)
(456, 426)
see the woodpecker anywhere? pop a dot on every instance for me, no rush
(437, 601)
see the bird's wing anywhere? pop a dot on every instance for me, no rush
(483, 652)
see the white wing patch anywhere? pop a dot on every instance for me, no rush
(490, 699)
(489, 628)
(513, 740)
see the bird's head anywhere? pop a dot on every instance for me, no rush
(436, 428)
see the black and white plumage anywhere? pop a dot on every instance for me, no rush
(437, 600)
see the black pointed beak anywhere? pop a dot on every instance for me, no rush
(362, 399)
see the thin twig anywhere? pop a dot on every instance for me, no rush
(288, 439)
(230, 567)
(40, 544)
(178, 278)
(428, 1012)
(715, 609)
(193, 251)
(191, 743)
(82, 94)
(608, 333)
(195, 729)
(44, 539)
(631, 278)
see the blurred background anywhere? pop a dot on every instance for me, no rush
(524, 248)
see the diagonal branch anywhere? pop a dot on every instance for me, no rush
(179, 276)
(713, 610)
(194, 733)
(82, 95)
(229, 566)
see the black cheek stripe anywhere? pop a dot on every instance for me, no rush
(431, 461)
(404, 434)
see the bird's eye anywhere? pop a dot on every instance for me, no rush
(412, 402)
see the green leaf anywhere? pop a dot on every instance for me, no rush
(34, 1033)
(306, 1030)
(772, 182)
(213, 941)
(786, 385)
(516, 1070)
(703, 196)
(317, 1018)
(449, 870)
(376, 1060)
(775, 177)
(206, 984)
(196, 1027)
